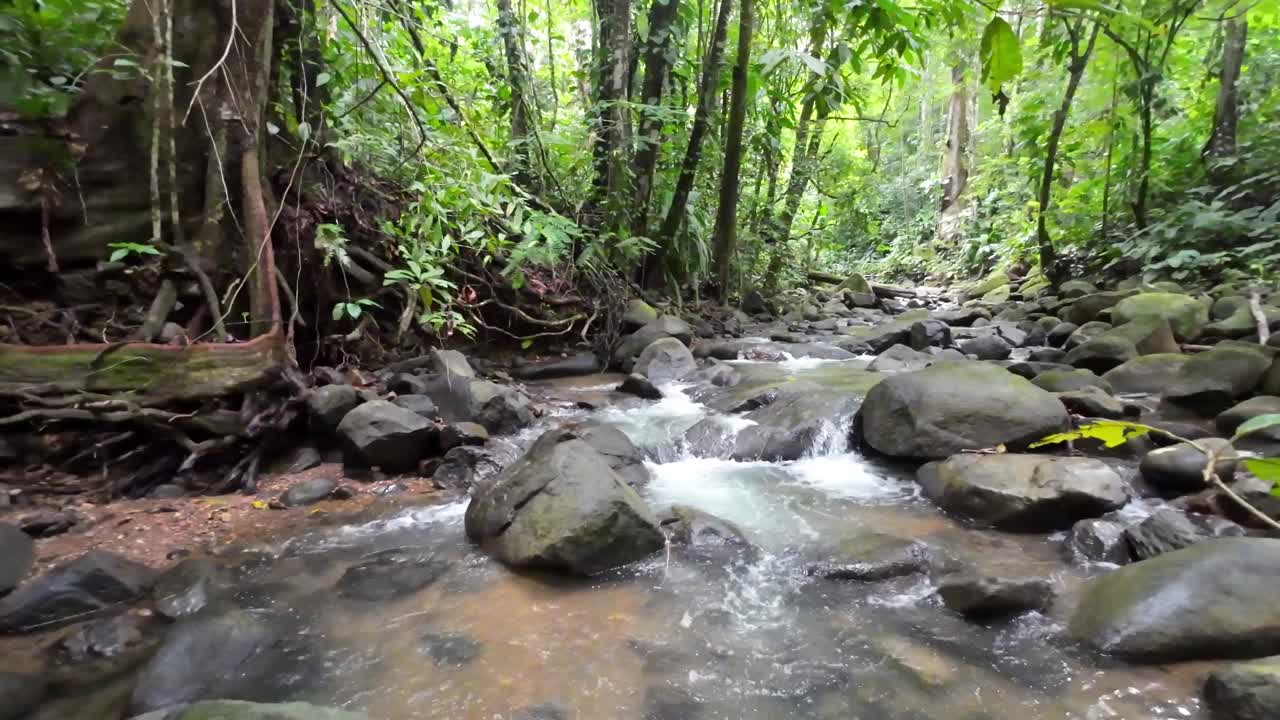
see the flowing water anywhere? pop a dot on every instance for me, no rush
(677, 637)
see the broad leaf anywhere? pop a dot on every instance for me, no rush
(1000, 53)
(1112, 433)
(1261, 422)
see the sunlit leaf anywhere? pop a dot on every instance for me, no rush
(1261, 422)
(1111, 433)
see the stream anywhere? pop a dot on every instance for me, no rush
(679, 637)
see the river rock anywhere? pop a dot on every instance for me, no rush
(1216, 599)
(1085, 333)
(1180, 468)
(403, 383)
(561, 507)
(1149, 334)
(189, 587)
(1057, 381)
(1060, 333)
(1212, 381)
(391, 574)
(417, 404)
(717, 374)
(461, 467)
(380, 434)
(638, 314)
(962, 317)
(328, 404)
(499, 408)
(987, 346)
(1241, 323)
(1232, 418)
(616, 448)
(1076, 288)
(786, 423)
(95, 582)
(950, 407)
(1186, 315)
(1094, 402)
(99, 649)
(1167, 530)
(1047, 355)
(639, 385)
(1087, 307)
(929, 333)
(873, 557)
(308, 492)
(1102, 353)
(665, 360)
(241, 710)
(462, 434)
(16, 558)
(451, 362)
(1095, 540)
(1147, 374)
(20, 693)
(450, 649)
(1244, 691)
(1023, 493)
(985, 595)
(572, 366)
(900, 358)
(705, 536)
(753, 303)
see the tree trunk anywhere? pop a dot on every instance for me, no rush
(1079, 60)
(726, 232)
(662, 13)
(1222, 138)
(613, 124)
(955, 170)
(693, 151)
(512, 31)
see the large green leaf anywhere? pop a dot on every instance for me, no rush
(1112, 433)
(1000, 53)
(1261, 422)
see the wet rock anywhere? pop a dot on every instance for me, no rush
(380, 434)
(962, 317)
(1102, 353)
(986, 347)
(561, 507)
(463, 433)
(1094, 402)
(873, 557)
(189, 587)
(706, 535)
(639, 385)
(1098, 541)
(1146, 374)
(1076, 288)
(48, 523)
(1086, 332)
(955, 406)
(390, 574)
(1088, 307)
(20, 693)
(1216, 599)
(622, 455)
(309, 492)
(572, 366)
(1167, 530)
(1212, 381)
(462, 466)
(217, 656)
(417, 404)
(900, 358)
(1185, 314)
(638, 314)
(499, 408)
(1023, 493)
(451, 362)
(1030, 369)
(101, 649)
(1180, 468)
(1235, 416)
(717, 374)
(753, 303)
(799, 416)
(1149, 335)
(1057, 381)
(665, 360)
(16, 557)
(407, 384)
(97, 581)
(240, 710)
(1059, 333)
(929, 333)
(1047, 355)
(882, 336)
(328, 404)
(1244, 691)
(985, 596)
(450, 649)
(301, 458)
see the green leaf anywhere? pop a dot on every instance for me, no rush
(118, 255)
(1112, 433)
(337, 311)
(1253, 425)
(323, 79)
(1000, 53)
(1266, 469)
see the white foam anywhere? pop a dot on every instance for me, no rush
(847, 477)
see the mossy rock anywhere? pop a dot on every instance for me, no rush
(1187, 316)
(998, 295)
(993, 280)
(857, 283)
(1146, 374)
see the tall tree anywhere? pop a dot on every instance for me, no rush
(657, 68)
(955, 167)
(613, 119)
(1078, 60)
(512, 30)
(726, 229)
(1226, 109)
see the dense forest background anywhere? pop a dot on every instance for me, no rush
(693, 146)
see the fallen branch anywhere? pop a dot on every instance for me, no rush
(1259, 317)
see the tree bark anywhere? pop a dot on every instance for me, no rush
(512, 32)
(1226, 110)
(693, 150)
(726, 229)
(662, 13)
(613, 123)
(955, 169)
(1079, 61)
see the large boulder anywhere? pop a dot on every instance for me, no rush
(97, 581)
(1244, 691)
(1147, 374)
(1215, 599)
(16, 557)
(1213, 381)
(328, 404)
(638, 314)
(1186, 315)
(241, 710)
(950, 407)
(665, 360)
(986, 346)
(1087, 307)
(451, 362)
(572, 366)
(1102, 353)
(986, 596)
(1097, 541)
(381, 434)
(1057, 381)
(617, 449)
(561, 507)
(785, 423)
(900, 358)
(499, 408)
(1023, 493)
(1180, 468)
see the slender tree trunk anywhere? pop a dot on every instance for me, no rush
(693, 151)
(955, 170)
(1079, 61)
(1226, 111)
(1111, 147)
(613, 132)
(662, 13)
(726, 232)
(512, 30)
